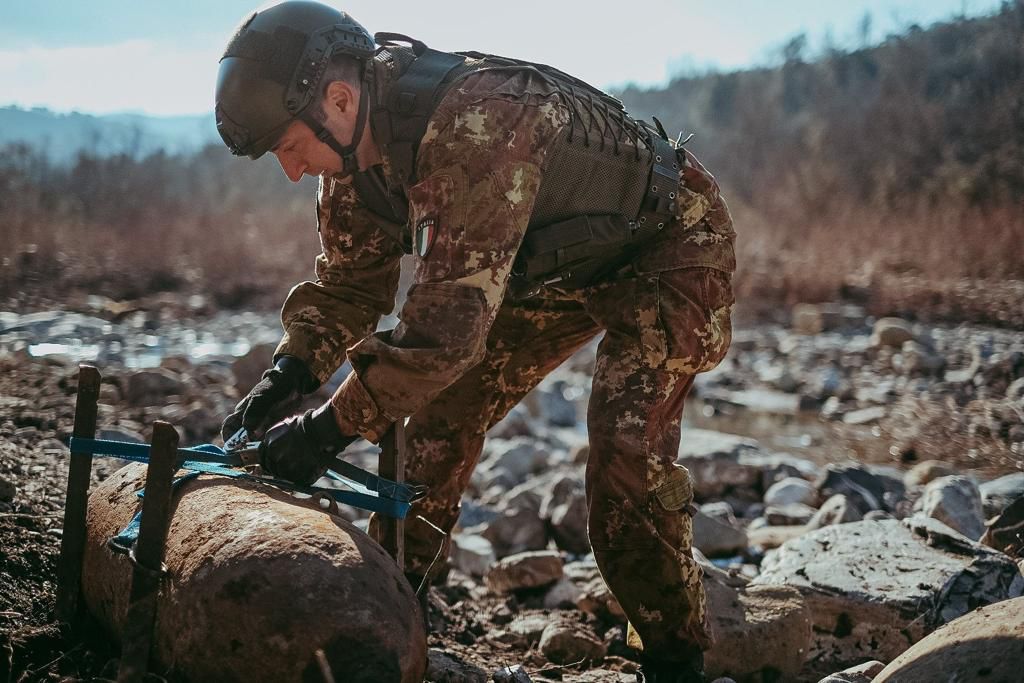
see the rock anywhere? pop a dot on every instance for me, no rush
(807, 319)
(998, 493)
(836, 510)
(917, 359)
(267, 554)
(519, 457)
(956, 502)
(761, 633)
(562, 595)
(511, 674)
(517, 423)
(568, 643)
(7, 490)
(985, 645)
(554, 407)
(925, 471)
(1006, 531)
(596, 599)
(791, 490)
(874, 587)
(524, 570)
(443, 667)
(715, 538)
(529, 627)
(865, 416)
(1015, 391)
(514, 530)
(148, 387)
(769, 537)
(565, 510)
(120, 434)
(723, 463)
(756, 400)
(788, 515)
(864, 488)
(862, 673)
(891, 332)
(705, 442)
(720, 510)
(247, 370)
(472, 554)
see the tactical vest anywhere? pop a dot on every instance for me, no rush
(609, 182)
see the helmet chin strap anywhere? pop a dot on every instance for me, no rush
(349, 165)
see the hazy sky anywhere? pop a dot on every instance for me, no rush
(103, 56)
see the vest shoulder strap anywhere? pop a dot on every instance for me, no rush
(401, 122)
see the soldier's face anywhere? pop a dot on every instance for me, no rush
(300, 153)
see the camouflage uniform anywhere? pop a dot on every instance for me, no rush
(464, 354)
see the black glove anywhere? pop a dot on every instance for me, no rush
(273, 397)
(300, 449)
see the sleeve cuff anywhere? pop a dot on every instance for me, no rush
(317, 353)
(358, 412)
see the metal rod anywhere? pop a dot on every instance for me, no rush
(391, 465)
(72, 542)
(148, 555)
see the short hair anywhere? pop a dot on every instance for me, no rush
(342, 67)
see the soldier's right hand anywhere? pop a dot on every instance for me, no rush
(274, 397)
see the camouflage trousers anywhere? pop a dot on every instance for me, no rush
(660, 330)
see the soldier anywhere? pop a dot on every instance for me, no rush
(540, 214)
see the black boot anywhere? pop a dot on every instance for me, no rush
(662, 671)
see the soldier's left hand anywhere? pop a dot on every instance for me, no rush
(301, 448)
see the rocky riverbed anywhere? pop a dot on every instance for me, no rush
(856, 482)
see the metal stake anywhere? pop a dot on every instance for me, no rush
(391, 465)
(72, 542)
(148, 555)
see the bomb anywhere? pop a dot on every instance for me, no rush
(258, 583)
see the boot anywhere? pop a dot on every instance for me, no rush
(662, 671)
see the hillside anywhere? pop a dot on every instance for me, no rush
(62, 136)
(904, 158)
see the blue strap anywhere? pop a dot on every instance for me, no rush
(211, 459)
(125, 539)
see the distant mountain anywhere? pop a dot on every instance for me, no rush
(62, 136)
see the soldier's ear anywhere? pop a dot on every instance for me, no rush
(340, 97)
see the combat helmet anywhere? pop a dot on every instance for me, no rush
(271, 70)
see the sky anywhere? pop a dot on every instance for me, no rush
(106, 56)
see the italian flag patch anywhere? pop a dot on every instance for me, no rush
(426, 231)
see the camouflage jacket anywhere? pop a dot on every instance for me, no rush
(479, 168)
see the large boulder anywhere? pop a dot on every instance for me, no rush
(876, 587)
(761, 632)
(259, 582)
(985, 645)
